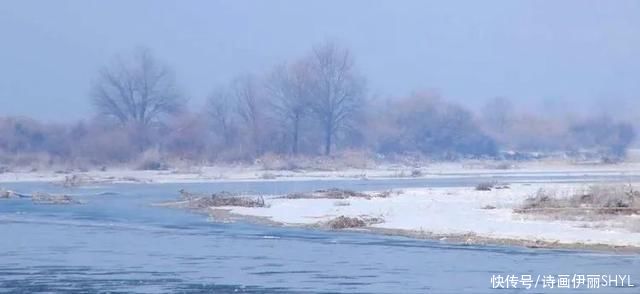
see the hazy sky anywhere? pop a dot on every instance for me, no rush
(469, 51)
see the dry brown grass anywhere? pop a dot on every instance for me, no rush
(345, 222)
(488, 186)
(44, 198)
(337, 193)
(416, 173)
(76, 180)
(485, 186)
(344, 159)
(201, 201)
(331, 193)
(595, 199)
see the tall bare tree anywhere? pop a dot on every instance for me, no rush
(289, 89)
(138, 90)
(221, 109)
(250, 106)
(498, 113)
(337, 89)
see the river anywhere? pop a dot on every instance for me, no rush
(117, 242)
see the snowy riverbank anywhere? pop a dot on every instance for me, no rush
(458, 214)
(542, 169)
(461, 215)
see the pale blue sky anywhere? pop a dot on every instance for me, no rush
(469, 51)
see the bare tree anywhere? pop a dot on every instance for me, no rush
(429, 125)
(136, 91)
(603, 134)
(221, 109)
(337, 90)
(288, 88)
(498, 112)
(246, 91)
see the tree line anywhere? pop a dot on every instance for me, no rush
(314, 105)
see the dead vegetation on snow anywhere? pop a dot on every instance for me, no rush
(336, 193)
(345, 222)
(77, 180)
(488, 186)
(594, 200)
(223, 198)
(45, 198)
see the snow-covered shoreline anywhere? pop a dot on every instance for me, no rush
(388, 171)
(455, 214)
(459, 215)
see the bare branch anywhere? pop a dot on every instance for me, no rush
(138, 91)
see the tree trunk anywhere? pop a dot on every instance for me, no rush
(327, 139)
(296, 129)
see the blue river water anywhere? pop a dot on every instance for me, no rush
(117, 242)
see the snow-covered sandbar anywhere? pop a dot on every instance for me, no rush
(460, 215)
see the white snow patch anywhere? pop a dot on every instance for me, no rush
(451, 211)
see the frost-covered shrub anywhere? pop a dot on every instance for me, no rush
(433, 127)
(610, 138)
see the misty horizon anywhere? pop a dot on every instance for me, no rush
(287, 146)
(579, 55)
